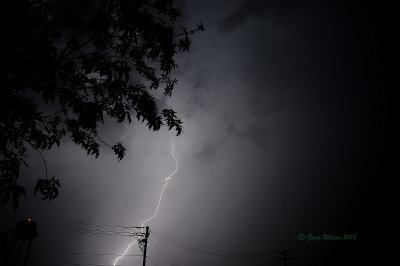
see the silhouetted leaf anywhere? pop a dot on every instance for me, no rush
(119, 150)
(48, 188)
(84, 71)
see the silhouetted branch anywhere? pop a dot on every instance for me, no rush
(103, 142)
(113, 58)
(41, 155)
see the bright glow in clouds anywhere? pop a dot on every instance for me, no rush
(158, 205)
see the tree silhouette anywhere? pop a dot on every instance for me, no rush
(61, 76)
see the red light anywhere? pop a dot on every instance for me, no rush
(29, 219)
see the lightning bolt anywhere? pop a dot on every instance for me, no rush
(158, 205)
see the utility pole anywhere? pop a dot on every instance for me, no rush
(145, 245)
(284, 258)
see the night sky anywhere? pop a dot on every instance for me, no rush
(282, 103)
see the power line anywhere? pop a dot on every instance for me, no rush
(284, 257)
(83, 253)
(71, 263)
(160, 236)
(214, 253)
(89, 231)
(162, 251)
(157, 235)
(207, 250)
(172, 239)
(163, 261)
(162, 245)
(89, 224)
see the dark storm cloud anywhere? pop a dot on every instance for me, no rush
(240, 15)
(209, 150)
(256, 134)
(280, 110)
(311, 69)
(198, 87)
(256, 9)
(197, 100)
(200, 80)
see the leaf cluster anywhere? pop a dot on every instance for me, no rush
(105, 65)
(48, 188)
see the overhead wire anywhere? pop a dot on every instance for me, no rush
(78, 227)
(71, 263)
(160, 250)
(82, 228)
(89, 231)
(163, 261)
(219, 254)
(207, 250)
(160, 237)
(83, 253)
(162, 245)
(82, 223)
(78, 253)
(172, 239)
